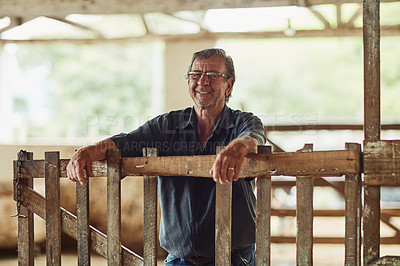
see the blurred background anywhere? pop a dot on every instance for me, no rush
(71, 81)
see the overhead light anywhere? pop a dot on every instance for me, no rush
(289, 32)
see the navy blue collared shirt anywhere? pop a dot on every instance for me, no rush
(188, 203)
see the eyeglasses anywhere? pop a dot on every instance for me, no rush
(212, 75)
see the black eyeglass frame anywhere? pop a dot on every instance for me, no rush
(212, 75)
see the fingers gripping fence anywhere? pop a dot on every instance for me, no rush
(306, 165)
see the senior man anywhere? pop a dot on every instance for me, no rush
(188, 203)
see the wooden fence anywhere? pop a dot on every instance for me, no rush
(380, 158)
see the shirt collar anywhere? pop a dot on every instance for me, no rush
(225, 120)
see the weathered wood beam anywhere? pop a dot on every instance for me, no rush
(80, 26)
(83, 224)
(332, 240)
(372, 123)
(197, 22)
(353, 207)
(263, 217)
(223, 222)
(319, 16)
(339, 15)
(62, 8)
(387, 260)
(150, 213)
(357, 13)
(344, 32)
(53, 212)
(304, 216)
(26, 249)
(382, 162)
(315, 164)
(331, 213)
(114, 251)
(145, 25)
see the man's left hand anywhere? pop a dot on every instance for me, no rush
(229, 161)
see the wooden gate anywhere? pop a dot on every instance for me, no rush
(306, 165)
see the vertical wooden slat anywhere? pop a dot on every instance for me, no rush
(150, 213)
(223, 222)
(114, 207)
(304, 215)
(352, 191)
(263, 224)
(26, 225)
(371, 39)
(53, 211)
(83, 236)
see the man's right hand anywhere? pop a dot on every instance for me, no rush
(83, 159)
(79, 162)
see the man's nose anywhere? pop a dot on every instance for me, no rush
(203, 79)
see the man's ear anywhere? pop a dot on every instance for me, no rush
(229, 87)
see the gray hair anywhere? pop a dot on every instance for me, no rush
(208, 53)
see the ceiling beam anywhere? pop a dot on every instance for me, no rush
(80, 26)
(318, 15)
(198, 22)
(61, 8)
(353, 18)
(344, 32)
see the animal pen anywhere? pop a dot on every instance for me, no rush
(375, 164)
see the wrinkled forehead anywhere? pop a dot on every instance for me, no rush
(215, 63)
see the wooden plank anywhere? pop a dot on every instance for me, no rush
(353, 214)
(263, 219)
(53, 213)
(318, 127)
(371, 40)
(150, 213)
(63, 8)
(25, 225)
(328, 163)
(329, 213)
(35, 168)
(304, 215)
(223, 222)
(82, 209)
(328, 240)
(381, 162)
(114, 207)
(98, 241)
(386, 30)
(387, 260)
(371, 223)
(372, 78)
(372, 122)
(317, 164)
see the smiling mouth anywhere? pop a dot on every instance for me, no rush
(203, 92)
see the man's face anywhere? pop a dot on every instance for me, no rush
(209, 93)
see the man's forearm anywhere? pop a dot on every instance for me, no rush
(247, 142)
(98, 151)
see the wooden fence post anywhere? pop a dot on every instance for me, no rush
(113, 207)
(150, 213)
(53, 211)
(353, 210)
(304, 215)
(25, 224)
(223, 222)
(83, 230)
(263, 224)
(372, 123)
